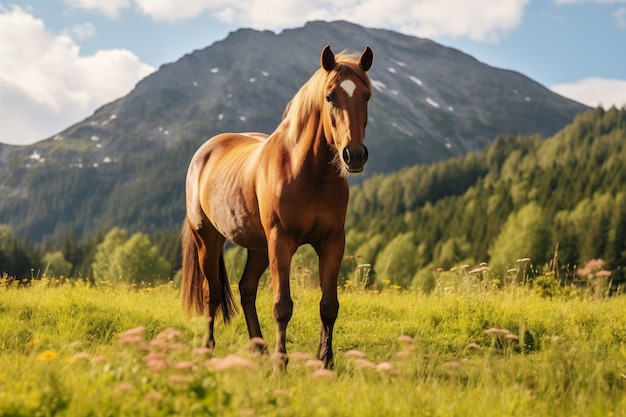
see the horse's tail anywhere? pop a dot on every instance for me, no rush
(194, 287)
(192, 284)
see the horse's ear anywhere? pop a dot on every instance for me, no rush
(327, 59)
(367, 59)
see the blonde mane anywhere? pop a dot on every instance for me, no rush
(307, 102)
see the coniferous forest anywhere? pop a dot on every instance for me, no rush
(552, 204)
(558, 201)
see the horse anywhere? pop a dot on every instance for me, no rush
(273, 193)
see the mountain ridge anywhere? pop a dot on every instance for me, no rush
(430, 103)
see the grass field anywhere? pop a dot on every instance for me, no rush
(75, 350)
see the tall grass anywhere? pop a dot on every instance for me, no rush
(76, 350)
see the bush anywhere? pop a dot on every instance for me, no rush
(55, 265)
(133, 260)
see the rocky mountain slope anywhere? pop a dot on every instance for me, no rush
(430, 103)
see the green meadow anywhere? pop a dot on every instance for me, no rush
(466, 349)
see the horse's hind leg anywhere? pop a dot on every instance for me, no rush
(210, 247)
(256, 264)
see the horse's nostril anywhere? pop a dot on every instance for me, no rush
(346, 156)
(355, 159)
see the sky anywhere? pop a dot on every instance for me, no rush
(60, 60)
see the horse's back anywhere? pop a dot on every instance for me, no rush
(221, 149)
(227, 142)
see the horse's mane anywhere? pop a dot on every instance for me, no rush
(307, 101)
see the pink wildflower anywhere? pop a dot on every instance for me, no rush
(179, 379)
(595, 263)
(130, 339)
(80, 357)
(384, 367)
(137, 331)
(98, 359)
(159, 344)
(124, 387)
(496, 331)
(353, 353)
(314, 364)
(364, 364)
(452, 365)
(202, 351)
(322, 373)
(168, 334)
(156, 365)
(230, 362)
(156, 361)
(153, 395)
(257, 343)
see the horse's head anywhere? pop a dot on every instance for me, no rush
(347, 92)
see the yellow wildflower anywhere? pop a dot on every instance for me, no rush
(47, 355)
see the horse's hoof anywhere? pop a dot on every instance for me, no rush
(280, 361)
(257, 344)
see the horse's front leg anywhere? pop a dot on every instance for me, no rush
(331, 255)
(281, 248)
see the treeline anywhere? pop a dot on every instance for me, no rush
(554, 204)
(114, 256)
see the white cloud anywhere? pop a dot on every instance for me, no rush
(46, 85)
(620, 17)
(83, 31)
(173, 10)
(589, 1)
(473, 19)
(110, 8)
(427, 18)
(595, 91)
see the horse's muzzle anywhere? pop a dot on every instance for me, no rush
(355, 160)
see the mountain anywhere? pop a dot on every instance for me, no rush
(125, 164)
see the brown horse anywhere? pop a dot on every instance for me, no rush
(271, 194)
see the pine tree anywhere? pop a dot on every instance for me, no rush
(616, 251)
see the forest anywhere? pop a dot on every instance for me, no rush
(524, 205)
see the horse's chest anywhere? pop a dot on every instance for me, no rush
(313, 214)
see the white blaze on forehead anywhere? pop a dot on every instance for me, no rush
(349, 86)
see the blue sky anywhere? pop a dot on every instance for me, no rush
(62, 59)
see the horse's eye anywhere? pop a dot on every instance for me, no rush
(368, 96)
(330, 97)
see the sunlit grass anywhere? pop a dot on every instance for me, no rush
(76, 350)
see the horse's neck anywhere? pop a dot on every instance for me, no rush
(310, 152)
(315, 154)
